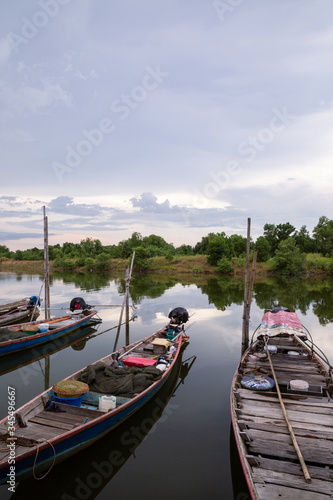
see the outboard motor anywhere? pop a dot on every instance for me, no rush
(178, 315)
(78, 303)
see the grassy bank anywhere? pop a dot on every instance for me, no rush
(191, 265)
(194, 264)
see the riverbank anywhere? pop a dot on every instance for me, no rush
(190, 265)
(182, 265)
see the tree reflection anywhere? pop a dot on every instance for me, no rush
(295, 293)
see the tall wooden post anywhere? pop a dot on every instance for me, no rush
(46, 293)
(46, 268)
(246, 307)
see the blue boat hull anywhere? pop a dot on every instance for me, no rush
(36, 340)
(73, 441)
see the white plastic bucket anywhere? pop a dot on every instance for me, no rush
(43, 327)
(107, 403)
(299, 385)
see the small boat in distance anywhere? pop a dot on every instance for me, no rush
(19, 310)
(282, 412)
(17, 337)
(59, 422)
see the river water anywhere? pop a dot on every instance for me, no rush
(180, 445)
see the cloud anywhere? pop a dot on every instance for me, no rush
(147, 202)
(169, 152)
(26, 99)
(5, 236)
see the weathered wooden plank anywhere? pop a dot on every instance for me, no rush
(282, 428)
(286, 362)
(292, 481)
(51, 423)
(323, 402)
(325, 473)
(303, 441)
(276, 492)
(280, 422)
(294, 416)
(37, 431)
(277, 449)
(60, 417)
(289, 406)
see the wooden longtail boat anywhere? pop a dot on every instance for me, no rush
(48, 429)
(73, 338)
(122, 443)
(15, 338)
(18, 311)
(9, 306)
(282, 412)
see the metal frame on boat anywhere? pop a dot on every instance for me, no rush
(282, 412)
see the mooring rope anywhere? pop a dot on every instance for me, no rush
(53, 461)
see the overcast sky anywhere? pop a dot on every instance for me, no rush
(175, 118)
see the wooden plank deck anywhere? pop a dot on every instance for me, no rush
(276, 471)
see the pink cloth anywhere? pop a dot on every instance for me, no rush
(282, 318)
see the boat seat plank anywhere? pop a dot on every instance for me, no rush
(282, 428)
(285, 467)
(285, 359)
(276, 492)
(277, 449)
(60, 417)
(289, 406)
(292, 481)
(280, 422)
(288, 367)
(272, 396)
(303, 441)
(52, 423)
(294, 416)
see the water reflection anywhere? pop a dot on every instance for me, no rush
(196, 442)
(24, 358)
(222, 291)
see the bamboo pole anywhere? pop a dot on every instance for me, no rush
(290, 429)
(125, 300)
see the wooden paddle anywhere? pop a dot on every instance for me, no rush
(290, 429)
(57, 320)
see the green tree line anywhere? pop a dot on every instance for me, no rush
(284, 248)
